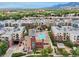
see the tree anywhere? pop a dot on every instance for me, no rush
(68, 43)
(52, 39)
(49, 50)
(44, 52)
(3, 47)
(75, 52)
(34, 50)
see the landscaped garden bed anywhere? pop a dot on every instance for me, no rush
(19, 54)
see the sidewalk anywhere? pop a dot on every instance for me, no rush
(10, 51)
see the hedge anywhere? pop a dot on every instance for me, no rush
(19, 54)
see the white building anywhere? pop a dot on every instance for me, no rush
(8, 23)
(12, 34)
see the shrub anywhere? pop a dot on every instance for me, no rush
(68, 43)
(46, 51)
(54, 42)
(18, 54)
(52, 39)
(63, 52)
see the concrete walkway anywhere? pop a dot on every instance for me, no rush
(10, 51)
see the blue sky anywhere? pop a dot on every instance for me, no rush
(28, 4)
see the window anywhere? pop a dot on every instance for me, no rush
(77, 37)
(6, 24)
(74, 37)
(57, 33)
(6, 38)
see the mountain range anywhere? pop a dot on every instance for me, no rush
(25, 5)
(67, 5)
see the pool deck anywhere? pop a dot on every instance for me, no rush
(39, 33)
(46, 40)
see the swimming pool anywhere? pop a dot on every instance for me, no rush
(41, 36)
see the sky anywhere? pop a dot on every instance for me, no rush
(28, 4)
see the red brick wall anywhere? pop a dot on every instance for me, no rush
(39, 45)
